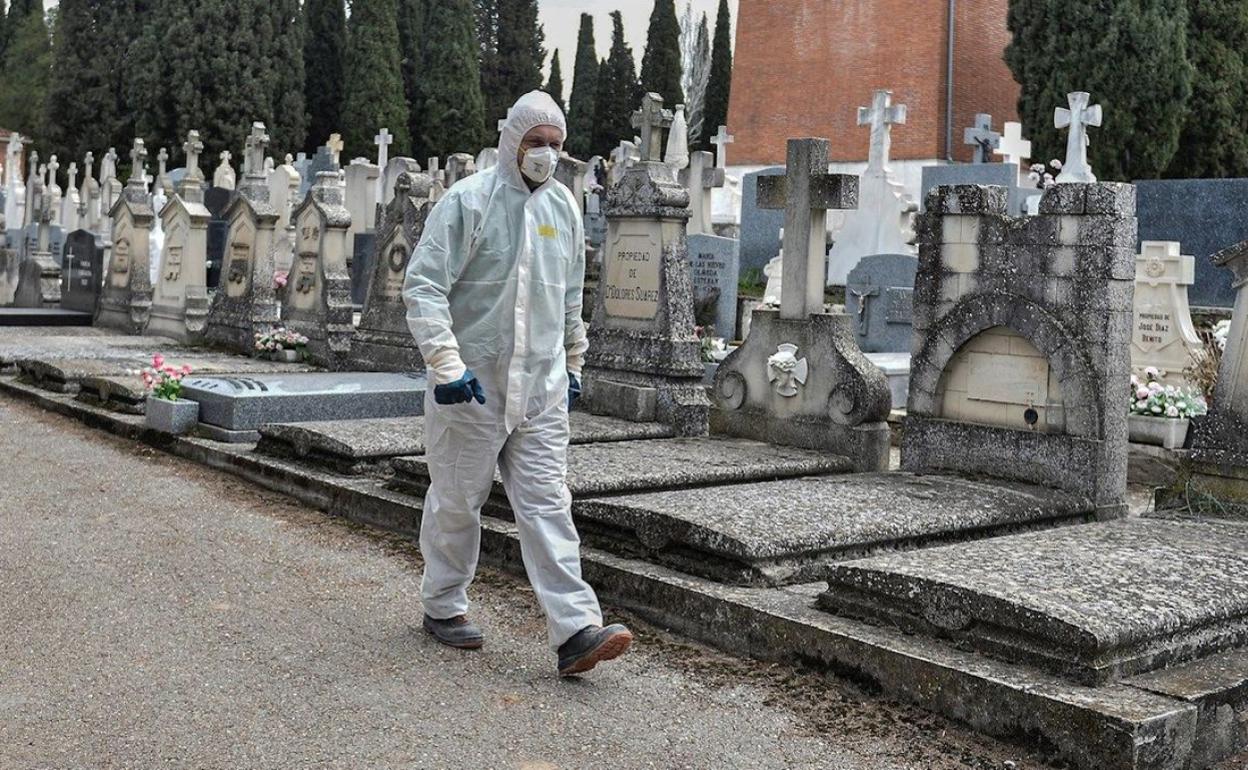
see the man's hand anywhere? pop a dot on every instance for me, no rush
(461, 391)
(574, 389)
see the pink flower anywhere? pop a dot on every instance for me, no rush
(186, 368)
(158, 360)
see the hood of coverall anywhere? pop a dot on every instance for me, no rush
(534, 109)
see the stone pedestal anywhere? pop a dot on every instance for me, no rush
(644, 361)
(382, 341)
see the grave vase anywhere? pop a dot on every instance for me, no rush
(287, 355)
(1165, 432)
(176, 417)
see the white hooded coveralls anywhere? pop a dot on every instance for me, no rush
(495, 286)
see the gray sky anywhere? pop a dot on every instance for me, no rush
(561, 19)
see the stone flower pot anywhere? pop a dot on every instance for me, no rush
(176, 417)
(285, 355)
(1166, 432)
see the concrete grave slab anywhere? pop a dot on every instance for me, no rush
(785, 532)
(238, 406)
(68, 374)
(85, 342)
(1092, 604)
(363, 446)
(652, 465)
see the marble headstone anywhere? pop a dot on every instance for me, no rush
(82, 270)
(1162, 333)
(713, 270)
(879, 297)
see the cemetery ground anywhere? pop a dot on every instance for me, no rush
(162, 613)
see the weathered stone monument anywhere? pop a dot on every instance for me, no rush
(1163, 335)
(245, 302)
(644, 362)
(284, 185)
(800, 379)
(382, 341)
(318, 290)
(39, 272)
(1080, 115)
(701, 178)
(884, 220)
(180, 300)
(82, 269)
(224, 176)
(126, 300)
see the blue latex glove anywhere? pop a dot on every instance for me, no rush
(461, 391)
(574, 389)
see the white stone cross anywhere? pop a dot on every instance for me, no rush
(108, 169)
(1013, 147)
(806, 192)
(721, 141)
(162, 161)
(1077, 119)
(651, 120)
(193, 147)
(52, 167)
(383, 141)
(88, 163)
(72, 174)
(138, 165)
(257, 143)
(335, 147)
(881, 116)
(700, 178)
(982, 138)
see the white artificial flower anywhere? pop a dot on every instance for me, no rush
(1172, 411)
(1055, 163)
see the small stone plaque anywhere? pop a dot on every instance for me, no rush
(1005, 379)
(630, 285)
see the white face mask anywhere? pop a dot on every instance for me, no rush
(539, 164)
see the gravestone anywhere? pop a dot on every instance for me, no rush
(126, 300)
(91, 216)
(217, 200)
(10, 274)
(15, 191)
(82, 271)
(884, 220)
(595, 220)
(879, 296)
(713, 271)
(570, 172)
(110, 186)
(1163, 335)
(1080, 115)
(361, 269)
(180, 299)
(318, 291)
(245, 303)
(701, 178)
(982, 138)
(361, 198)
(30, 239)
(799, 379)
(458, 166)
(390, 175)
(234, 408)
(383, 341)
(324, 160)
(383, 140)
(284, 185)
(71, 203)
(644, 362)
(1022, 340)
(760, 228)
(224, 176)
(39, 272)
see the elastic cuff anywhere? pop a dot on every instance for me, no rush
(446, 366)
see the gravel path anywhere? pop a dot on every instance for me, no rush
(158, 614)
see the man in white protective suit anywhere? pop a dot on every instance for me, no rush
(493, 294)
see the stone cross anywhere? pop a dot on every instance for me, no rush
(193, 147)
(1077, 119)
(383, 141)
(162, 162)
(806, 192)
(257, 143)
(701, 177)
(138, 165)
(881, 116)
(72, 174)
(721, 141)
(88, 164)
(652, 120)
(108, 169)
(982, 138)
(1013, 146)
(52, 167)
(335, 147)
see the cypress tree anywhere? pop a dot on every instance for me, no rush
(27, 71)
(719, 84)
(1214, 140)
(411, 26)
(4, 33)
(453, 112)
(511, 55)
(81, 107)
(581, 110)
(618, 94)
(488, 63)
(1131, 55)
(290, 115)
(375, 99)
(554, 85)
(660, 66)
(324, 55)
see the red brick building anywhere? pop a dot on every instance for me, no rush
(803, 67)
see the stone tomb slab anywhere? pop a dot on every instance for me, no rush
(629, 467)
(234, 408)
(786, 532)
(363, 446)
(43, 316)
(69, 374)
(125, 392)
(88, 342)
(1093, 604)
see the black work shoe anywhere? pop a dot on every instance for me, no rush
(457, 632)
(591, 646)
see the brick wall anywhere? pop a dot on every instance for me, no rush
(803, 67)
